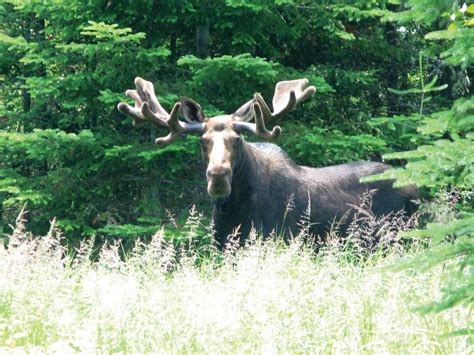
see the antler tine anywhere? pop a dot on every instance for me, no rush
(177, 127)
(173, 124)
(147, 106)
(133, 112)
(258, 128)
(260, 125)
(147, 90)
(287, 95)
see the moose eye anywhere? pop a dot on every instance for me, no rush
(204, 143)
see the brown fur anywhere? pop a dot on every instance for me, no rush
(270, 192)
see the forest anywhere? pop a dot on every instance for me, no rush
(393, 83)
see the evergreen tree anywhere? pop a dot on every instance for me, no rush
(444, 162)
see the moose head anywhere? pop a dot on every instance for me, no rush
(222, 143)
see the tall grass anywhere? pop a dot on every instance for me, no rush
(266, 297)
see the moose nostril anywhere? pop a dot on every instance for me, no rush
(218, 171)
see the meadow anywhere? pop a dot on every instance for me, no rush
(267, 297)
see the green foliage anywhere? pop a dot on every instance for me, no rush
(230, 80)
(424, 88)
(79, 176)
(445, 162)
(424, 11)
(320, 146)
(461, 52)
(436, 166)
(458, 120)
(458, 287)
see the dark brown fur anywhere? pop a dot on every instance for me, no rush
(266, 181)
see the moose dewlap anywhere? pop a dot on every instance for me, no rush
(251, 184)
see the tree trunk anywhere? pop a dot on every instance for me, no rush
(26, 100)
(392, 69)
(173, 48)
(202, 39)
(24, 92)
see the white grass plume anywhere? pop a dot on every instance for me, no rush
(266, 297)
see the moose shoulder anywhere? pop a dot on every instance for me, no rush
(257, 185)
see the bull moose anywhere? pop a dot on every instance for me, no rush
(251, 184)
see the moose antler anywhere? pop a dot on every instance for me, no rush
(178, 127)
(148, 108)
(287, 95)
(258, 128)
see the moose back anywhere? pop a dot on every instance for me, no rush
(257, 185)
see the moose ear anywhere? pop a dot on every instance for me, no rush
(191, 111)
(246, 112)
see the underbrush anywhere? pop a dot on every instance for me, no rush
(268, 297)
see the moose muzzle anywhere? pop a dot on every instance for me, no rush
(219, 178)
